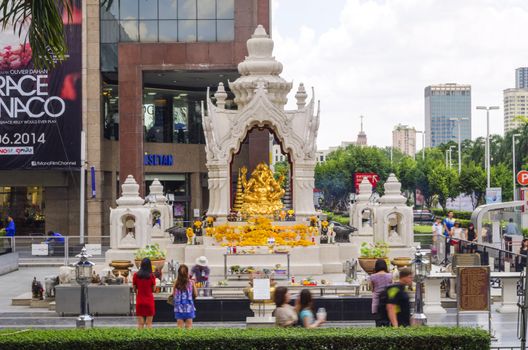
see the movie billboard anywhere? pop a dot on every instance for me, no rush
(40, 110)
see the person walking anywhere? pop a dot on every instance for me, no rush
(511, 228)
(10, 232)
(379, 280)
(200, 272)
(285, 315)
(438, 239)
(398, 307)
(521, 260)
(304, 306)
(184, 294)
(448, 224)
(144, 283)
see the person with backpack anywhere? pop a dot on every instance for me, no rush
(394, 307)
(379, 280)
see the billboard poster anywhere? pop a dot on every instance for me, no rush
(40, 110)
(372, 177)
(493, 195)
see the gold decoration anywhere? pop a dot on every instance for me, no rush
(239, 196)
(262, 193)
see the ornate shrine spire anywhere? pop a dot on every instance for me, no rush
(260, 70)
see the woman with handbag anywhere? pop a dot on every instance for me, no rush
(144, 283)
(184, 293)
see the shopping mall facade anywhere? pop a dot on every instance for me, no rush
(146, 67)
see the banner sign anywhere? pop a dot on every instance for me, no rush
(40, 110)
(372, 177)
(493, 195)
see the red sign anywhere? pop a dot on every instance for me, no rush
(372, 177)
(522, 177)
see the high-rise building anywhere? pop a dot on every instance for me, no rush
(521, 78)
(515, 105)
(404, 139)
(443, 103)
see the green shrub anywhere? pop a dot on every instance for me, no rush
(343, 220)
(458, 214)
(423, 229)
(431, 338)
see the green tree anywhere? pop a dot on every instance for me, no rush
(473, 182)
(501, 176)
(443, 183)
(406, 170)
(45, 29)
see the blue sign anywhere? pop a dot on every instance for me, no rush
(158, 159)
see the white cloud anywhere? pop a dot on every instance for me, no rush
(379, 55)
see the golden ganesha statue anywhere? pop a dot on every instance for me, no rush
(261, 193)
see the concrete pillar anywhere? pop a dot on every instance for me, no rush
(432, 297)
(196, 193)
(92, 121)
(509, 296)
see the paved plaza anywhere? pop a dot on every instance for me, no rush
(504, 326)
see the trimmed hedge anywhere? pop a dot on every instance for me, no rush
(458, 214)
(432, 338)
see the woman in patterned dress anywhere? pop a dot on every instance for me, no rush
(184, 294)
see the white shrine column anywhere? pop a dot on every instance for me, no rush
(303, 181)
(219, 203)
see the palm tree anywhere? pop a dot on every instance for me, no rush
(45, 28)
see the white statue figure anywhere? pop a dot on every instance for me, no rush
(331, 234)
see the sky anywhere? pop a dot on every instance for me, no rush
(375, 57)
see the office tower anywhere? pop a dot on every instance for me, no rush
(515, 105)
(521, 78)
(443, 103)
(404, 139)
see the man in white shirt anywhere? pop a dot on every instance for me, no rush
(438, 240)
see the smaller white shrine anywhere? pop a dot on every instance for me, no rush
(362, 213)
(160, 214)
(389, 220)
(130, 227)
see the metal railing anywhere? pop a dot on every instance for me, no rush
(37, 250)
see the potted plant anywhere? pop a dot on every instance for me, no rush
(369, 253)
(153, 252)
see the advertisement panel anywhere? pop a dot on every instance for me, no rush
(372, 177)
(493, 195)
(40, 110)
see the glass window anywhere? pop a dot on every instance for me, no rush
(187, 9)
(128, 9)
(112, 12)
(225, 30)
(148, 9)
(206, 9)
(109, 32)
(109, 57)
(168, 9)
(225, 9)
(148, 31)
(110, 111)
(168, 30)
(129, 31)
(206, 30)
(186, 30)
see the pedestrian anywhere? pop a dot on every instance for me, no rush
(10, 227)
(438, 239)
(511, 228)
(379, 280)
(448, 224)
(304, 306)
(285, 315)
(521, 260)
(398, 308)
(10, 232)
(54, 240)
(144, 284)
(200, 272)
(184, 294)
(457, 233)
(472, 236)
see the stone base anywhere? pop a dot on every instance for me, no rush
(43, 304)
(23, 299)
(260, 322)
(8, 263)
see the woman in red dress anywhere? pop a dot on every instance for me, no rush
(144, 284)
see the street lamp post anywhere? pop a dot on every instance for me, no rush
(488, 150)
(420, 274)
(513, 165)
(457, 120)
(83, 275)
(451, 156)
